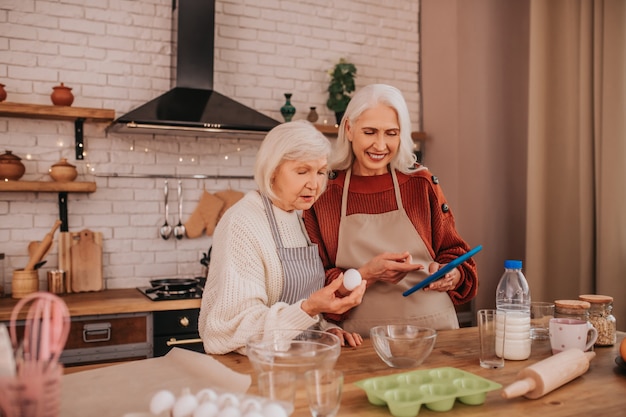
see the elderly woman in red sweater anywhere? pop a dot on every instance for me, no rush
(386, 215)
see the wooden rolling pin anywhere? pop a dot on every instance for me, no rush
(43, 247)
(549, 374)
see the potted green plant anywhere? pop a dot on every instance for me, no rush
(341, 84)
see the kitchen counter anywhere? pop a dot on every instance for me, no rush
(599, 391)
(116, 301)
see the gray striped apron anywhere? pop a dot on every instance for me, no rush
(302, 267)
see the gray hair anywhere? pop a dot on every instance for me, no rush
(364, 99)
(293, 141)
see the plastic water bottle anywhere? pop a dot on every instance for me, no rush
(513, 297)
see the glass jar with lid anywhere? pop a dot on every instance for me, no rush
(601, 316)
(572, 309)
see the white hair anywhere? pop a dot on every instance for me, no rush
(293, 141)
(366, 98)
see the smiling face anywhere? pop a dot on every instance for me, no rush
(375, 137)
(297, 184)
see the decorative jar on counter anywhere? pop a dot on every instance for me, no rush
(601, 316)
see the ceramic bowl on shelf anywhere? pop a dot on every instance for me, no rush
(294, 351)
(63, 171)
(11, 167)
(403, 345)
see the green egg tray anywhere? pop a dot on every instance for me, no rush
(437, 389)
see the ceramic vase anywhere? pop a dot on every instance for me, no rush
(3, 93)
(62, 95)
(339, 116)
(11, 167)
(312, 116)
(287, 110)
(63, 171)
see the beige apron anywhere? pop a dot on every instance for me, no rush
(383, 302)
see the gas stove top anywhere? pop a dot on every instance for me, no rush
(159, 295)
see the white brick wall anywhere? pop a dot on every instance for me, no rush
(117, 54)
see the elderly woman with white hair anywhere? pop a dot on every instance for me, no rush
(386, 215)
(265, 273)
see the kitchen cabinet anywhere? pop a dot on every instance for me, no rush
(118, 325)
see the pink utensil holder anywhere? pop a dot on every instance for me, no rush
(32, 393)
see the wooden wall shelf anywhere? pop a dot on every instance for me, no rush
(51, 187)
(79, 115)
(48, 186)
(38, 111)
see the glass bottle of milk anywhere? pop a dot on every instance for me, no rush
(513, 297)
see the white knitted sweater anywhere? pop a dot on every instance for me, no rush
(245, 278)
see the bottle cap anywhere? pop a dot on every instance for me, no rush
(512, 264)
(595, 298)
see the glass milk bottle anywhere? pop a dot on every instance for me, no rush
(513, 297)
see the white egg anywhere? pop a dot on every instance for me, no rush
(228, 399)
(185, 406)
(206, 394)
(253, 413)
(162, 401)
(230, 411)
(250, 404)
(206, 409)
(271, 409)
(351, 279)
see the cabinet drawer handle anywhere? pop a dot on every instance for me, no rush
(174, 342)
(96, 332)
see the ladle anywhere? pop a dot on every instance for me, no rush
(179, 230)
(166, 229)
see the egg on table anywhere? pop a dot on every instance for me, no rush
(161, 401)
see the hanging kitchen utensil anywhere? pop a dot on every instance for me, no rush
(43, 248)
(179, 230)
(166, 229)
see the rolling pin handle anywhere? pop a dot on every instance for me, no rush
(519, 388)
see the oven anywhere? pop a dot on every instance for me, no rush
(176, 328)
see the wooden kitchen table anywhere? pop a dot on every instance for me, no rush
(600, 391)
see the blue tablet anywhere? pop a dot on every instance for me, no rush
(441, 272)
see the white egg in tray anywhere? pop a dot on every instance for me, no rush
(213, 403)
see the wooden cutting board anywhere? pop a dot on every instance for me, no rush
(86, 261)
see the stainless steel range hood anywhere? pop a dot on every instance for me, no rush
(193, 107)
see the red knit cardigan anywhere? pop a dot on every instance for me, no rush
(425, 205)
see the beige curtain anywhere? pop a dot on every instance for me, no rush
(576, 228)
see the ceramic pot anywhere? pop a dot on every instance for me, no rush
(3, 93)
(63, 171)
(339, 116)
(62, 95)
(312, 116)
(11, 167)
(287, 110)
